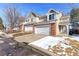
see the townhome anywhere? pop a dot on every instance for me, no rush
(53, 23)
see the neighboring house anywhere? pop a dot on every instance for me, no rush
(17, 26)
(53, 23)
(32, 17)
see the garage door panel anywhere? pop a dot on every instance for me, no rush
(42, 30)
(28, 29)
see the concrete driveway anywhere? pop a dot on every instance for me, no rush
(29, 38)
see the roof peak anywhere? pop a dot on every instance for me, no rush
(53, 10)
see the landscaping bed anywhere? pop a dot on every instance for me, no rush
(57, 46)
(21, 33)
(67, 48)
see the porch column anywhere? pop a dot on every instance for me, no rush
(22, 28)
(67, 29)
(33, 28)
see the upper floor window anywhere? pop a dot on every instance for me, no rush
(51, 17)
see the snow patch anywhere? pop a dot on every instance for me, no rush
(47, 41)
(76, 37)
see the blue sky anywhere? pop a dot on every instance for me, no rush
(39, 8)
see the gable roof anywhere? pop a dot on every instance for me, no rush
(32, 13)
(52, 10)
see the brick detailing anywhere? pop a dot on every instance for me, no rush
(20, 28)
(53, 29)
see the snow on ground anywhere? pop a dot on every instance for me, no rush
(76, 37)
(51, 41)
(47, 41)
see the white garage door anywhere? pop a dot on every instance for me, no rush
(28, 28)
(42, 30)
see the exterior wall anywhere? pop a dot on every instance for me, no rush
(57, 27)
(22, 28)
(35, 19)
(53, 29)
(57, 16)
(32, 19)
(64, 21)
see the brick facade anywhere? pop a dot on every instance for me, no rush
(53, 29)
(22, 28)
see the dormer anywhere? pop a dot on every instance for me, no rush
(53, 15)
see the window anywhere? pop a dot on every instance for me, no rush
(51, 17)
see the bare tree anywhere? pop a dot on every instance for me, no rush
(21, 19)
(12, 15)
